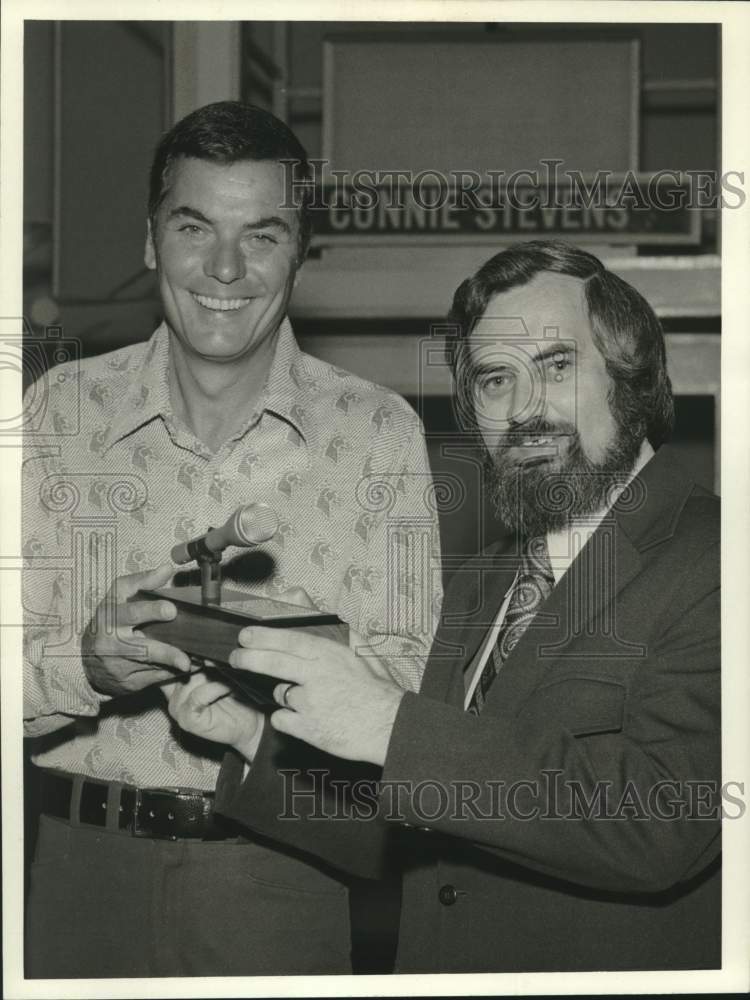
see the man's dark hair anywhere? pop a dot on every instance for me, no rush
(228, 132)
(626, 330)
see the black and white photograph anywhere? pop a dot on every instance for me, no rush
(373, 427)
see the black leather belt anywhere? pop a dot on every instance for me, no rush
(159, 813)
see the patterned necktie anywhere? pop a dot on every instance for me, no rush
(532, 587)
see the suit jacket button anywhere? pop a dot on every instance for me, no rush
(447, 895)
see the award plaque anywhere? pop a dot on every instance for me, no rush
(208, 632)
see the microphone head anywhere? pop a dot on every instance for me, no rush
(254, 524)
(180, 554)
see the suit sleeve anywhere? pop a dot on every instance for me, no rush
(634, 810)
(309, 801)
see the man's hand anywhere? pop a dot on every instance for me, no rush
(117, 658)
(209, 709)
(332, 698)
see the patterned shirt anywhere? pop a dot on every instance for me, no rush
(112, 480)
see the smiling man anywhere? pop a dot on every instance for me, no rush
(134, 874)
(555, 785)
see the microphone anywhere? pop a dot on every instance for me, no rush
(252, 524)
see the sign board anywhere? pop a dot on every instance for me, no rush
(396, 100)
(628, 210)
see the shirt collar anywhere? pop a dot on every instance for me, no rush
(288, 385)
(564, 545)
(147, 396)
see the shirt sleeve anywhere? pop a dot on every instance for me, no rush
(402, 597)
(55, 688)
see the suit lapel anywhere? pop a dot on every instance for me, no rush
(582, 604)
(472, 602)
(643, 516)
(578, 606)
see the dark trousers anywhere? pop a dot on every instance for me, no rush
(105, 904)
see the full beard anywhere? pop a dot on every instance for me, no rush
(535, 498)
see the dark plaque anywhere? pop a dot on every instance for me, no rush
(208, 631)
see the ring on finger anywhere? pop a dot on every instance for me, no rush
(284, 699)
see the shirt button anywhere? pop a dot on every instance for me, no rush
(447, 895)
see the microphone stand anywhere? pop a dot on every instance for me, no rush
(210, 567)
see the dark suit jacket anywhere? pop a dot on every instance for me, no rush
(612, 697)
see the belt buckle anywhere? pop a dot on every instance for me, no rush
(136, 829)
(148, 821)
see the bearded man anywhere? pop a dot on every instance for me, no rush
(558, 775)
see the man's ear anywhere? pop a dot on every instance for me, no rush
(149, 253)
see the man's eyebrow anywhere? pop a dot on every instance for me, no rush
(270, 222)
(550, 350)
(544, 352)
(484, 368)
(267, 222)
(185, 211)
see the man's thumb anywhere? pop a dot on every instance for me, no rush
(296, 595)
(148, 579)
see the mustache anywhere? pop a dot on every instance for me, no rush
(535, 427)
